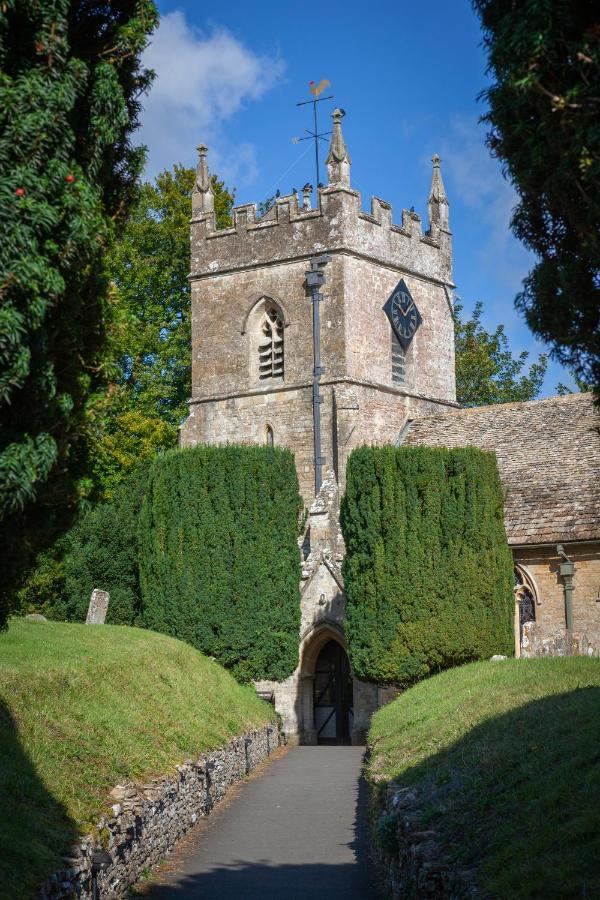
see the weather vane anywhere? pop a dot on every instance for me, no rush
(315, 136)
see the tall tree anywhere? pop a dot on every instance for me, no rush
(150, 336)
(69, 101)
(486, 369)
(544, 112)
(146, 360)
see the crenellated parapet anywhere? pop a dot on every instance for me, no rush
(292, 229)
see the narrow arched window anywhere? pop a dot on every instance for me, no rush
(525, 596)
(270, 436)
(398, 361)
(270, 344)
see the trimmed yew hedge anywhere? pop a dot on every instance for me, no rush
(428, 571)
(200, 544)
(219, 561)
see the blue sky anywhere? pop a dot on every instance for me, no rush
(408, 76)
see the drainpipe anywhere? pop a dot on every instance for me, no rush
(315, 278)
(566, 571)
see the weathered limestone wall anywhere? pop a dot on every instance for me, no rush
(236, 270)
(538, 642)
(244, 419)
(409, 857)
(337, 224)
(367, 285)
(147, 822)
(542, 564)
(369, 413)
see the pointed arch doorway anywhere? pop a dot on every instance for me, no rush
(333, 701)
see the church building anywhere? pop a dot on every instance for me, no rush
(320, 327)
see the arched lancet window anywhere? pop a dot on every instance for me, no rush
(398, 361)
(270, 436)
(525, 597)
(270, 344)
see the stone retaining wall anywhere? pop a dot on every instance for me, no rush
(410, 860)
(147, 821)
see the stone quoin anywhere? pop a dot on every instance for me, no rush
(259, 368)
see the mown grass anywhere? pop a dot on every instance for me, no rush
(506, 759)
(83, 708)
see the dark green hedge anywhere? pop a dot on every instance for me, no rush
(219, 558)
(200, 544)
(102, 551)
(428, 571)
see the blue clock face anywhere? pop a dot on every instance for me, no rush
(403, 314)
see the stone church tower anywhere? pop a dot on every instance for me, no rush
(291, 345)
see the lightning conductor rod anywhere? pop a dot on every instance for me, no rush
(314, 135)
(315, 279)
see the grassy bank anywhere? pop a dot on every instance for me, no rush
(85, 707)
(506, 758)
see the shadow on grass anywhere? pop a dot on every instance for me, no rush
(35, 829)
(519, 797)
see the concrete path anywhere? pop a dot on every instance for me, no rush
(296, 831)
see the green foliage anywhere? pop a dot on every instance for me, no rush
(486, 370)
(498, 764)
(544, 58)
(428, 572)
(70, 84)
(43, 588)
(123, 437)
(263, 206)
(150, 267)
(580, 387)
(219, 559)
(148, 358)
(83, 708)
(200, 544)
(102, 552)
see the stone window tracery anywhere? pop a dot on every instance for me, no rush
(525, 598)
(270, 344)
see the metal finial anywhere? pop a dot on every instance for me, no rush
(315, 135)
(436, 160)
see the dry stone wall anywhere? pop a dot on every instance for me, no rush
(146, 822)
(410, 859)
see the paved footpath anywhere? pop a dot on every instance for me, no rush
(295, 831)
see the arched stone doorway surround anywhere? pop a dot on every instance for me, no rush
(365, 695)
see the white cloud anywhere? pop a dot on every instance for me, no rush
(475, 180)
(202, 79)
(479, 185)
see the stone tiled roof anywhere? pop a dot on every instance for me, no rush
(548, 455)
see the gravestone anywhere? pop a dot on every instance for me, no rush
(98, 607)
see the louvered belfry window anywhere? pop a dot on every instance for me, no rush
(398, 362)
(270, 346)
